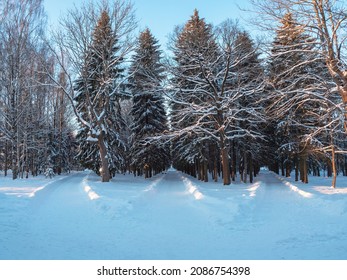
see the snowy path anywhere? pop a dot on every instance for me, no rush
(52, 220)
(172, 216)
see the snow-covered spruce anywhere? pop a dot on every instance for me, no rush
(216, 82)
(148, 154)
(97, 102)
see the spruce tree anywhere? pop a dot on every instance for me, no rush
(297, 75)
(246, 93)
(98, 102)
(148, 111)
(194, 48)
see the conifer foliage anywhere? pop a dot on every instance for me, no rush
(214, 98)
(97, 101)
(214, 109)
(195, 52)
(298, 107)
(148, 111)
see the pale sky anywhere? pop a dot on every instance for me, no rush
(161, 16)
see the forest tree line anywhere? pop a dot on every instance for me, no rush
(219, 104)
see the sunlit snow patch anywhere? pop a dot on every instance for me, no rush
(92, 194)
(21, 191)
(153, 184)
(27, 191)
(294, 188)
(330, 190)
(253, 189)
(191, 188)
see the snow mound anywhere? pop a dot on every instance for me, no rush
(192, 189)
(293, 187)
(26, 187)
(253, 189)
(330, 190)
(90, 192)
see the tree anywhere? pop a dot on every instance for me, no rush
(324, 20)
(299, 100)
(96, 98)
(290, 66)
(21, 27)
(93, 42)
(210, 94)
(62, 137)
(148, 111)
(193, 47)
(246, 114)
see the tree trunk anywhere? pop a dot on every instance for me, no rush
(215, 170)
(205, 171)
(303, 168)
(329, 171)
(282, 166)
(225, 159)
(245, 162)
(333, 165)
(199, 171)
(276, 167)
(61, 122)
(225, 166)
(288, 168)
(233, 174)
(14, 162)
(343, 93)
(6, 158)
(305, 171)
(250, 168)
(146, 171)
(105, 172)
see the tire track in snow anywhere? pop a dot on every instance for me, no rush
(218, 213)
(54, 189)
(168, 217)
(55, 222)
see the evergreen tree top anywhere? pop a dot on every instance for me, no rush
(103, 27)
(196, 33)
(146, 67)
(147, 41)
(147, 50)
(290, 31)
(244, 39)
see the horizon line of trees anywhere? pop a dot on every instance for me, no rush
(90, 96)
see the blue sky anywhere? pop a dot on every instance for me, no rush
(161, 16)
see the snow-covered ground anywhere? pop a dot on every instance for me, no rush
(171, 216)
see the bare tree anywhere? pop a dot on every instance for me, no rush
(21, 25)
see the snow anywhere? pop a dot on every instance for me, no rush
(91, 139)
(172, 216)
